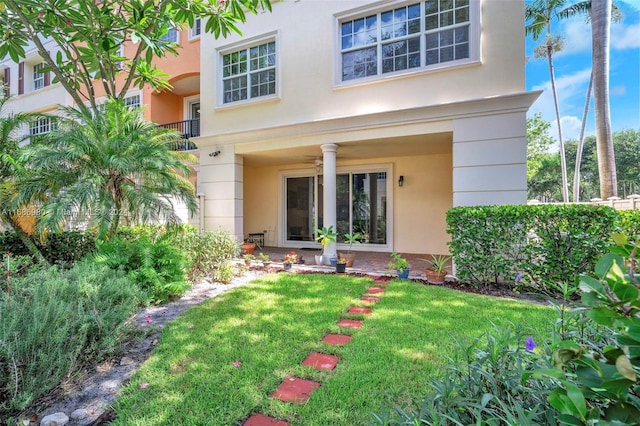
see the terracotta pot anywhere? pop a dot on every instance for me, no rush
(248, 248)
(435, 277)
(351, 257)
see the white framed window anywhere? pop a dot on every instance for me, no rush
(38, 76)
(40, 126)
(411, 35)
(133, 101)
(196, 29)
(171, 35)
(249, 73)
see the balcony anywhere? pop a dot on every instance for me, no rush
(188, 129)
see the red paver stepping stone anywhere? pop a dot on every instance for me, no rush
(261, 420)
(337, 339)
(374, 290)
(293, 389)
(372, 299)
(355, 310)
(349, 323)
(321, 361)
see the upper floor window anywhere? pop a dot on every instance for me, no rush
(412, 36)
(38, 76)
(195, 30)
(171, 35)
(249, 73)
(40, 127)
(132, 101)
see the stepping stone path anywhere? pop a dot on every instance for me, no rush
(297, 390)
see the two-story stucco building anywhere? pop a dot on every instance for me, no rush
(372, 116)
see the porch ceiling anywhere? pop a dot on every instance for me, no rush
(186, 86)
(434, 143)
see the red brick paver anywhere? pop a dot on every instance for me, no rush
(371, 299)
(349, 323)
(337, 339)
(261, 420)
(293, 389)
(374, 290)
(321, 361)
(355, 310)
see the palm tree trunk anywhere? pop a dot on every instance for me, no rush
(563, 160)
(601, 29)
(576, 173)
(26, 241)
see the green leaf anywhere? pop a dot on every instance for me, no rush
(589, 284)
(604, 316)
(577, 399)
(625, 368)
(619, 239)
(606, 262)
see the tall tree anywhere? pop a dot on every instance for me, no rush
(110, 163)
(601, 11)
(539, 14)
(88, 35)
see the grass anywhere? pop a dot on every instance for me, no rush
(272, 324)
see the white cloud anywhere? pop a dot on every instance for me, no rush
(618, 91)
(625, 37)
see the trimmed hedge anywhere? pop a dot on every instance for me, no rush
(64, 248)
(540, 246)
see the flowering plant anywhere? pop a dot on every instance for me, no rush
(291, 257)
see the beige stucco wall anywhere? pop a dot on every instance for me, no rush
(306, 34)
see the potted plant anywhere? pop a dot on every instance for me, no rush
(289, 259)
(248, 247)
(325, 236)
(341, 265)
(266, 261)
(351, 239)
(400, 264)
(248, 258)
(437, 270)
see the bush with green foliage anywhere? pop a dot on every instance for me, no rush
(598, 382)
(545, 245)
(55, 323)
(63, 249)
(208, 253)
(156, 267)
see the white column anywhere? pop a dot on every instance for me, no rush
(329, 197)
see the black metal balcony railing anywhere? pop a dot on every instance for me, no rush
(188, 129)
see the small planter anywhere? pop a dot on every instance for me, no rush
(318, 259)
(435, 277)
(333, 261)
(287, 266)
(248, 248)
(350, 257)
(266, 264)
(403, 273)
(341, 268)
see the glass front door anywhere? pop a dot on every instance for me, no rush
(361, 206)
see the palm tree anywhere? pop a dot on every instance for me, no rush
(22, 225)
(107, 166)
(539, 14)
(601, 29)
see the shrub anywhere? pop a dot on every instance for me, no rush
(58, 320)
(597, 381)
(157, 268)
(63, 249)
(209, 253)
(546, 245)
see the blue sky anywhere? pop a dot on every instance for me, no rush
(572, 71)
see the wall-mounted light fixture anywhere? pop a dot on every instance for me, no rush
(214, 153)
(401, 181)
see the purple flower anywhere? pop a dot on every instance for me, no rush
(519, 277)
(529, 344)
(148, 319)
(144, 385)
(237, 363)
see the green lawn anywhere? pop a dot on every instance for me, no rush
(272, 324)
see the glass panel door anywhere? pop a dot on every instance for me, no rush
(300, 212)
(369, 207)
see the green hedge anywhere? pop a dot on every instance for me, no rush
(540, 246)
(64, 248)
